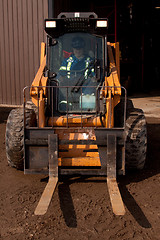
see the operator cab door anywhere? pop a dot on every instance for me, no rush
(77, 77)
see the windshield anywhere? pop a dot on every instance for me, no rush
(76, 58)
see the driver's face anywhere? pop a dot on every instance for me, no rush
(78, 52)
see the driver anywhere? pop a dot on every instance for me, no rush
(77, 61)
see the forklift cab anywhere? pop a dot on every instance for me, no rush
(76, 59)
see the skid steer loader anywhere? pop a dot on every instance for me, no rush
(77, 120)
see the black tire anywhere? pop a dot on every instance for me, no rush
(119, 111)
(15, 136)
(136, 139)
(30, 105)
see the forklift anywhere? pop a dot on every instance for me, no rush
(76, 118)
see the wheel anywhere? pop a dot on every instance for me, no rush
(30, 105)
(119, 111)
(136, 139)
(15, 136)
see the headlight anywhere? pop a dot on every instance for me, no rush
(50, 24)
(101, 23)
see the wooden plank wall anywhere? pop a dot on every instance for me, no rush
(21, 32)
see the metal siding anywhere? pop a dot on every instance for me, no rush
(25, 42)
(40, 21)
(35, 36)
(11, 67)
(30, 38)
(6, 49)
(20, 46)
(22, 31)
(2, 46)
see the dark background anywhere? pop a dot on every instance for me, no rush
(135, 25)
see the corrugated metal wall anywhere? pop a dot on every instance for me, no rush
(21, 32)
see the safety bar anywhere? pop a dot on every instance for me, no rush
(80, 114)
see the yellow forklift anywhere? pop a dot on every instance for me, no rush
(76, 118)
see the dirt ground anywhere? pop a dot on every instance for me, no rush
(80, 208)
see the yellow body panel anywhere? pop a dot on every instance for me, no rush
(74, 121)
(74, 154)
(79, 162)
